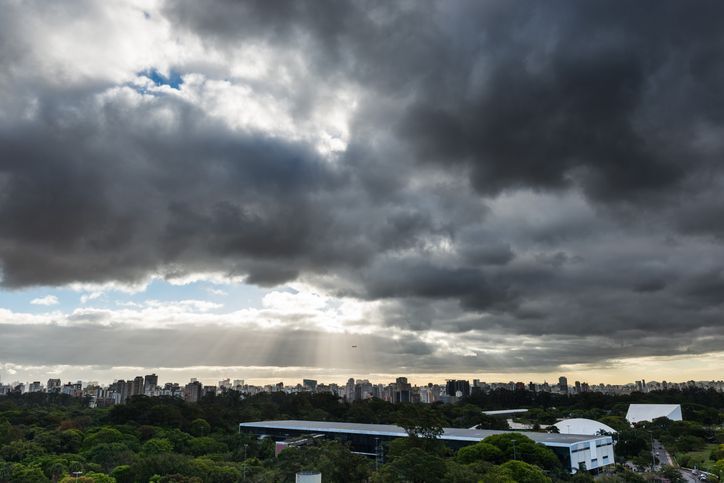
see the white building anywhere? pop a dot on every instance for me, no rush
(648, 412)
(583, 426)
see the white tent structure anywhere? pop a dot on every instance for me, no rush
(583, 426)
(648, 412)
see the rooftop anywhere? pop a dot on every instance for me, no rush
(458, 434)
(648, 412)
(502, 412)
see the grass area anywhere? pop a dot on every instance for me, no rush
(700, 458)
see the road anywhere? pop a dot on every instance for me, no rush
(662, 455)
(665, 459)
(688, 477)
(691, 478)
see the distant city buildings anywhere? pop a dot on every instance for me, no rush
(399, 391)
(457, 388)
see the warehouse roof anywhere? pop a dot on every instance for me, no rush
(456, 434)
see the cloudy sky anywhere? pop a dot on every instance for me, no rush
(502, 190)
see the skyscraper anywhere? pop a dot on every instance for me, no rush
(149, 384)
(349, 389)
(53, 385)
(193, 391)
(453, 387)
(403, 390)
(136, 386)
(309, 384)
(563, 385)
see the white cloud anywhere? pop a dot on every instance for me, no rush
(90, 296)
(47, 300)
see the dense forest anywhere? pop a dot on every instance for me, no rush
(51, 437)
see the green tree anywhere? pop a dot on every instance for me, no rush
(672, 474)
(214, 472)
(122, 474)
(414, 465)
(70, 441)
(205, 445)
(21, 451)
(110, 455)
(20, 473)
(161, 464)
(90, 477)
(479, 452)
(334, 460)
(618, 423)
(718, 469)
(106, 434)
(522, 472)
(157, 446)
(630, 443)
(420, 421)
(496, 474)
(582, 477)
(200, 427)
(516, 446)
(459, 473)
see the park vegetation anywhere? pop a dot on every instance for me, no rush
(55, 438)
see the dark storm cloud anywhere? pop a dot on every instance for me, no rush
(470, 286)
(93, 204)
(573, 94)
(115, 196)
(524, 94)
(512, 168)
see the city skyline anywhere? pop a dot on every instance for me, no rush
(414, 379)
(319, 189)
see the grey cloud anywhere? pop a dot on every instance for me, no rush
(227, 346)
(650, 286)
(461, 105)
(206, 346)
(525, 95)
(497, 254)
(471, 286)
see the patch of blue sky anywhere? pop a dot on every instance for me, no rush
(233, 296)
(20, 301)
(173, 79)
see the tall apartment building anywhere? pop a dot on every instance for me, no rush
(136, 386)
(563, 385)
(53, 385)
(150, 382)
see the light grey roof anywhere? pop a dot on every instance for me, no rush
(649, 412)
(451, 434)
(583, 426)
(501, 412)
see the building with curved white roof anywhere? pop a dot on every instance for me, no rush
(583, 426)
(648, 412)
